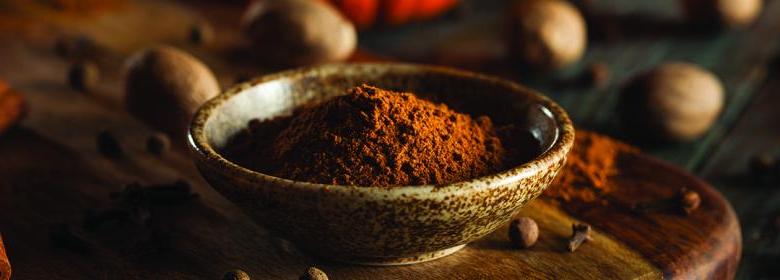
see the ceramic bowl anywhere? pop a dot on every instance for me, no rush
(380, 225)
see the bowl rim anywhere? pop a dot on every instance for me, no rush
(204, 153)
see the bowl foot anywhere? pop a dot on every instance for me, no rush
(390, 261)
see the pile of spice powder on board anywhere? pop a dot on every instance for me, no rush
(375, 137)
(591, 162)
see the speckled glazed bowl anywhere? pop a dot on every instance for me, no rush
(376, 225)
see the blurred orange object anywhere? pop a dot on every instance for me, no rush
(5, 266)
(367, 13)
(11, 107)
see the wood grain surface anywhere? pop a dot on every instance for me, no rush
(51, 174)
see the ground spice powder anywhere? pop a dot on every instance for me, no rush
(591, 162)
(375, 137)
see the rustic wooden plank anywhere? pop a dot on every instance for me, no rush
(55, 161)
(648, 33)
(756, 202)
(667, 238)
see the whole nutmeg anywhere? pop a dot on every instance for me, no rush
(547, 34)
(236, 275)
(730, 13)
(523, 232)
(313, 273)
(164, 86)
(675, 101)
(298, 32)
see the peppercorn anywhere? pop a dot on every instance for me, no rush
(83, 76)
(523, 232)
(236, 275)
(313, 273)
(108, 145)
(158, 144)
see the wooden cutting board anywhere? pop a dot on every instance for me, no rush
(51, 174)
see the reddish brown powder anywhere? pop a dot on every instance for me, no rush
(591, 162)
(374, 137)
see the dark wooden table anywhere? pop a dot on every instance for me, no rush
(649, 33)
(749, 124)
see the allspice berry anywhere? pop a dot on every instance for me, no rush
(690, 200)
(675, 101)
(547, 34)
(523, 232)
(164, 86)
(313, 273)
(729, 13)
(298, 32)
(83, 76)
(236, 275)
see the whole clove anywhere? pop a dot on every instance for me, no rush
(63, 237)
(580, 234)
(236, 274)
(108, 145)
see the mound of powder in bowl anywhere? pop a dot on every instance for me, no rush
(375, 137)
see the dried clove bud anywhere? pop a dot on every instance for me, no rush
(108, 145)
(523, 232)
(83, 76)
(313, 273)
(158, 144)
(580, 233)
(236, 275)
(63, 237)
